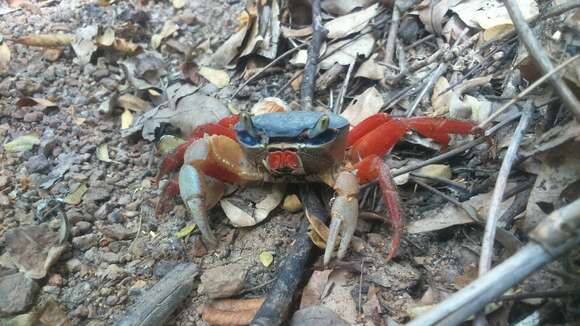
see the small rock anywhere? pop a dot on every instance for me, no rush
(114, 272)
(317, 315)
(85, 242)
(28, 87)
(37, 164)
(55, 280)
(17, 293)
(97, 194)
(34, 116)
(223, 281)
(395, 276)
(138, 248)
(111, 300)
(50, 289)
(292, 204)
(73, 265)
(111, 257)
(117, 232)
(81, 227)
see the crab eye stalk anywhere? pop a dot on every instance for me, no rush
(247, 125)
(320, 127)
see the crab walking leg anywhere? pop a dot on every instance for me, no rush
(344, 214)
(192, 190)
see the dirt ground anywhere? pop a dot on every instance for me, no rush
(120, 248)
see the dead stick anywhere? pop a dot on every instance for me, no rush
(318, 35)
(537, 52)
(392, 37)
(275, 309)
(155, 306)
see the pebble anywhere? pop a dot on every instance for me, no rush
(163, 267)
(35, 116)
(111, 300)
(223, 281)
(111, 257)
(55, 280)
(85, 242)
(17, 293)
(81, 227)
(73, 265)
(116, 232)
(37, 164)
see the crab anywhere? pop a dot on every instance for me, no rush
(297, 147)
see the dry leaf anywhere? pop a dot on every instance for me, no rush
(314, 289)
(352, 23)
(344, 52)
(251, 206)
(168, 143)
(189, 71)
(185, 231)
(363, 106)
(52, 54)
(224, 55)
(46, 40)
(231, 311)
(343, 7)
(169, 28)
(178, 4)
(293, 33)
(292, 204)
(268, 105)
(108, 37)
(29, 101)
(126, 119)
(432, 14)
(84, 43)
(76, 196)
(125, 46)
(370, 69)
(133, 103)
(4, 56)
(103, 153)
(436, 170)
(266, 258)
(22, 143)
(218, 78)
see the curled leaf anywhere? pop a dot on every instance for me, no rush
(185, 231)
(76, 196)
(168, 143)
(103, 153)
(219, 78)
(168, 29)
(126, 119)
(4, 56)
(133, 103)
(46, 40)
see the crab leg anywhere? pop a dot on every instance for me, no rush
(344, 214)
(192, 189)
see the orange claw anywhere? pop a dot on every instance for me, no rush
(439, 129)
(366, 126)
(379, 141)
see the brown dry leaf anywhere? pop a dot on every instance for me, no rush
(491, 15)
(470, 274)
(252, 205)
(189, 71)
(33, 249)
(46, 40)
(432, 14)
(231, 311)
(268, 105)
(125, 46)
(314, 289)
(344, 52)
(133, 103)
(219, 78)
(351, 23)
(40, 102)
(292, 33)
(4, 56)
(52, 54)
(226, 53)
(363, 106)
(126, 119)
(169, 28)
(370, 69)
(343, 7)
(107, 38)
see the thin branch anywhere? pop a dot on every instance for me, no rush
(340, 100)
(392, 37)
(318, 35)
(541, 57)
(432, 79)
(498, 192)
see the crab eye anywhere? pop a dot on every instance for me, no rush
(320, 127)
(246, 124)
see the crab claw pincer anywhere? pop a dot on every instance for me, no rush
(344, 215)
(192, 187)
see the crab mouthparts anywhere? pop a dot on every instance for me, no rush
(283, 161)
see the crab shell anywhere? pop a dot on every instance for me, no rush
(294, 143)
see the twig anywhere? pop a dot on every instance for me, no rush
(392, 37)
(318, 35)
(540, 56)
(277, 305)
(526, 91)
(472, 298)
(338, 107)
(541, 295)
(421, 41)
(432, 79)
(261, 71)
(498, 192)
